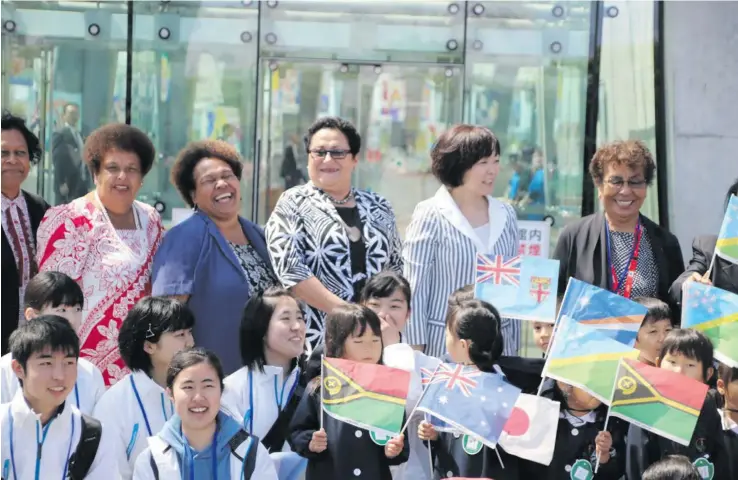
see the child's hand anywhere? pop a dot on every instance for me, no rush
(603, 441)
(427, 432)
(319, 442)
(394, 446)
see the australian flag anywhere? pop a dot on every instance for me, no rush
(469, 401)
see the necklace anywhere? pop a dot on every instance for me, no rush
(104, 211)
(343, 201)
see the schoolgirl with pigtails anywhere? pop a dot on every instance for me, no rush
(137, 406)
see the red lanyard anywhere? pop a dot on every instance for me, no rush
(628, 276)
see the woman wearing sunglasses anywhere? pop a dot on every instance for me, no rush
(326, 238)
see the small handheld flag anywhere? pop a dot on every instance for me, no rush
(727, 243)
(714, 312)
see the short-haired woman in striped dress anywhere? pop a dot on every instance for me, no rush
(449, 229)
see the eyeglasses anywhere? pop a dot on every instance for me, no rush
(337, 154)
(618, 183)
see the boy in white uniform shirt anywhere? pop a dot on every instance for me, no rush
(45, 352)
(54, 293)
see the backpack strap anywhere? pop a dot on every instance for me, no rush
(249, 462)
(275, 438)
(81, 460)
(154, 466)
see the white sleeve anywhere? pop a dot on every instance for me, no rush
(230, 404)
(98, 385)
(109, 415)
(142, 470)
(8, 381)
(105, 466)
(264, 469)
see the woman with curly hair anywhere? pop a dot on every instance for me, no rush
(215, 260)
(619, 249)
(106, 241)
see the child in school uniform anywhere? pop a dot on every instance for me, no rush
(339, 450)
(54, 293)
(689, 353)
(41, 430)
(673, 467)
(727, 389)
(137, 406)
(655, 326)
(199, 441)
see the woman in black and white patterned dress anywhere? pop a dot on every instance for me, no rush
(326, 238)
(619, 249)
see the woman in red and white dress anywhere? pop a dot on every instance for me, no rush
(106, 241)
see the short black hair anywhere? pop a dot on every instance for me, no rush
(257, 315)
(479, 322)
(458, 149)
(384, 284)
(183, 170)
(14, 122)
(121, 137)
(691, 344)
(672, 467)
(345, 321)
(146, 322)
(191, 357)
(335, 123)
(733, 190)
(52, 289)
(42, 332)
(657, 310)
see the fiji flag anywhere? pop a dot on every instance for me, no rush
(519, 287)
(713, 312)
(612, 315)
(473, 402)
(727, 243)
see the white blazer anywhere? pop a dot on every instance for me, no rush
(120, 413)
(168, 465)
(440, 256)
(62, 437)
(87, 391)
(271, 392)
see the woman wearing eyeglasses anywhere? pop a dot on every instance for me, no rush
(619, 249)
(326, 238)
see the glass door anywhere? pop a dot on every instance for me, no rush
(398, 109)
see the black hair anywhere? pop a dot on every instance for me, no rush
(733, 190)
(13, 122)
(183, 170)
(558, 395)
(120, 137)
(346, 321)
(146, 322)
(657, 310)
(189, 358)
(384, 284)
(478, 322)
(257, 314)
(690, 343)
(728, 375)
(458, 149)
(335, 123)
(42, 332)
(52, 289)
(672, 467)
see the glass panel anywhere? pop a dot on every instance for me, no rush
(627, 95)
(60, 64)
(193, 78)
(398, 110)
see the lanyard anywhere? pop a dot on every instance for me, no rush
(39, 445)
(278, 397)
(143, 410)
(213, 455)
(625, 281)
(76, 394)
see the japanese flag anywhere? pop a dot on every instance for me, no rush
(530, 432)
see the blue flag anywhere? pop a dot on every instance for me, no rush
(519, 287)
(612, 315)
(472, 402)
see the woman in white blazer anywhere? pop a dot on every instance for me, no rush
(448, 230)
(199, 441)
(137, 406)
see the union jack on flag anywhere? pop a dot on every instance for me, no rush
(497, 270)
(458, 376)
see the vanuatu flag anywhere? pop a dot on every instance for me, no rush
(713, 312)
(365, 395)
(727, 243)
(663, 402)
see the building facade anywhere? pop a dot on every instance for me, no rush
(552, 79)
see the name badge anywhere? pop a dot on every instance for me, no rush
(380, 439)
(581, 470)
(705, 467)
(471, 445)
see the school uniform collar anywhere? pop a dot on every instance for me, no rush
(145, 384)
(22, 411)
(728, 423)
(575, 421)
(497, 219)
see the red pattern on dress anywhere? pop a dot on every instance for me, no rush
(113, 268)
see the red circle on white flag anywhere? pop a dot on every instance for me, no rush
(518, 423)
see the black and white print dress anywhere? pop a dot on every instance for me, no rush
(306, 237)
(646, 278)
(258, 273)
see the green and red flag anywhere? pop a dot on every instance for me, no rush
(661, 401)
(365, 395)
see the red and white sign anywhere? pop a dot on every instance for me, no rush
(535, 238)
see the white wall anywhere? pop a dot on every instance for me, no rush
(701, 74)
